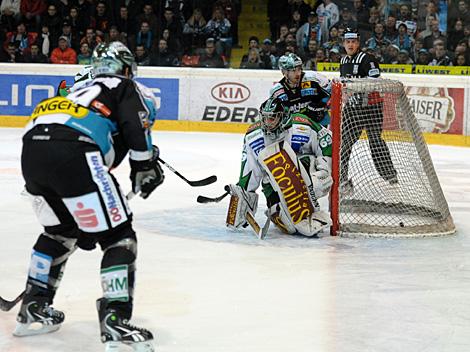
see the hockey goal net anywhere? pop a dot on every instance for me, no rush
(385, 184)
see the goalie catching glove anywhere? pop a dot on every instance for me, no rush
(241, 202)
(146, 175)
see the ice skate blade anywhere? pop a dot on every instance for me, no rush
(22, 330)
(113, 346)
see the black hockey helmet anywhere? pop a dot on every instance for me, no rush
(351, 33)
(275, 117)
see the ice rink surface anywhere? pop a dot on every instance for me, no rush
(203, 288)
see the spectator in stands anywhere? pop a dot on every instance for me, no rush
(101, 19)
(378, 40)
(231, 9)
(309, 30)
(77, 22)
(301, 7)
(334, 41)
(310, 52)
(404, 57)
(455, 35)
(461, 60)
(141, 56)
(11, 55)
(404, 16)
(63, 54)
(374, 17)
(175, 29)
(218, 27)
(278, 14)
(253, 43)
(173, 43)
(164, 57)
(346, 19)
(423, 57)
(90, 38)
(84, 56)
(390, 28)
(73, 39)
(35, 56)
(419, 44)
(85, 10)
(145, 36)
(115, 36)
(431, 14)
(281, 40)
(460, 11)
(361, 16)
(126, 26)
(435, 34)
(328, 15)
(295, 22)
(403, 40)
(440, 55)
(267, 50)
(334, 55)
(31, 11)
(391, 55)
(44, 41)
(149, 16)
(53, 20)
(253, 60)
(210, 58)
(193, 32)
(10, 15)
(21, 38)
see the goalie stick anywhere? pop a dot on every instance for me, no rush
(204, 182)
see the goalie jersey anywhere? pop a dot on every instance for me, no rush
(305, 137)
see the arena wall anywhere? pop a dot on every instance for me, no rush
(220, 100)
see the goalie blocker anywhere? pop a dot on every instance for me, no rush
(298, 188)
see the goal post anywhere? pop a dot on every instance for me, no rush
(385, 184)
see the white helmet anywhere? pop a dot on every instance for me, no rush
(86, 74)
(113, 58)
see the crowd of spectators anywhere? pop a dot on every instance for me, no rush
(431, 32)
(159, 33)
(203, 32)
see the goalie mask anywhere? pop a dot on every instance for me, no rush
(274, 117)
(113, 58)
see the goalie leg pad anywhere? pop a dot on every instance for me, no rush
(241, 202)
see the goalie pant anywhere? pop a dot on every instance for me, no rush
(310, 142)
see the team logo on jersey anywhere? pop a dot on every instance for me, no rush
(59, 105)
(307, 84)
(309, 91)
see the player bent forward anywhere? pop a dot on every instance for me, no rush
(290, 156)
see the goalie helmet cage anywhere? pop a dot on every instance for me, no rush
(388, 187)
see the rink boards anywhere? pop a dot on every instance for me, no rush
(225, 100)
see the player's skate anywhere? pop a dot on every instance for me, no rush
(36, 317)
(116, 331)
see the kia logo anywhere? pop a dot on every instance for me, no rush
(230, 92)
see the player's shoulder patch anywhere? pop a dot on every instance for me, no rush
(277, 90)
(301, 119)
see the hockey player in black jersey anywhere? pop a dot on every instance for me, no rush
(363, 112)
(69, 146)
(303, 92)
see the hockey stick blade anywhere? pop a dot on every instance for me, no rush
(198, 183)
(8, 305)
(203, 199)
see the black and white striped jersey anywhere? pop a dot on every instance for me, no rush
(360, 65)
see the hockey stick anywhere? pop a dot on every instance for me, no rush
(203, 199)
(204, 182)
(6, 305)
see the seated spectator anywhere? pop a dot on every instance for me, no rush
(390, 28)
(126, 26)
(10, 15)
(346, 19)
(403, 40)
(73, 39)
(31, 11)
(301, 7)
(455, 35)
(115, 36)
(231, 9)
(63, 54)
(141, 56)
(20, 38)
(391, 55)
(374, 17)
(334, 55)
(423, 57)
(378, 40)
(175, 29)
(164, 57)
(328, 15)
(218, 28)
(53, 21)
(253, 43)
(431, 14)
(144, 36)
(77, 22)
(404, 57)
(84, 57)
(435, 34)
(267, 50)
(149, 16)
(295, 22)
(91, 38)
(311, 51)
(309, 30)
(419, 44)
(461, 60)
(11, 54)
(404, 16)
(210, 58)
(252, 60)
(173, 43)
(440, 56)
(35, 56)
(281, 40)
(101, 21)
(193, 32)
(334, 41)
(361, 15)
(44, 41)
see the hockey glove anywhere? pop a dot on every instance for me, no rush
(146, 175)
